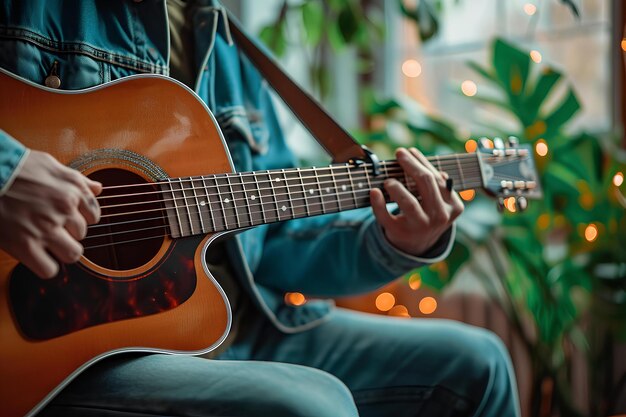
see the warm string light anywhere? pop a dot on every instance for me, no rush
(535, 56)
(618, 179)
(399, 311)
(530, 9)
(385, 301)
(295, 298)
(411, 68)
(469, 88)
(471, 145)
(623, 44)
(591, 232)
(428, 305)
(415, 281)
(467, 195)
(541, 147)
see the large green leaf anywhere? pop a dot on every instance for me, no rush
(512, 67)
(313, 20)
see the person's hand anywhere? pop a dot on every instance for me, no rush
(420, 224)
(45, 213)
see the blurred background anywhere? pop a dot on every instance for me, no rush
(440, 75)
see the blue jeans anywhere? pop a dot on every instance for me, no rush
(353, 365)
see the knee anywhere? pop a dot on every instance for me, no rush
(312, 394)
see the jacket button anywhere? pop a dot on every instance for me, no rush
(52, 81)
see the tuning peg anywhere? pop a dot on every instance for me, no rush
(498, 143)
(512, 142)
(484, 143)
(521, 203)
(500, 204)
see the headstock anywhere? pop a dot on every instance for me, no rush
(508, 170)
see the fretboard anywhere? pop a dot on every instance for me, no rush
(215, 203)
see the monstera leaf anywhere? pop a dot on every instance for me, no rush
(525, 91)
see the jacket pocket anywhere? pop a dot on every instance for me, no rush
(36, 63)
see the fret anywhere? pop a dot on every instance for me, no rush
(240, 200)
(336, 188)
(321, 190)
(458, 163)
(344, 192)
(297, 195)
(268, 197)
(253, 197)
(285, 195)
(305, 193)
(225, 199)
(172, 210)
(199, 202)
(214, 205)
(234, 201)
(329, 196)
(272, 179)
(187, 192)
(361, 191)
(180, 203)
(352, 186)
(313, 190)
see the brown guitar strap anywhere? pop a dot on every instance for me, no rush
(337, 142)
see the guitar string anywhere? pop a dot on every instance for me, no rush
(221, 216)
(474, 184)
(443, 158)
(208, 210)
(349, 177)
(470, 168)
(198, 222)
(277, 219)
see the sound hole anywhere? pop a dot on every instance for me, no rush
(133, 222)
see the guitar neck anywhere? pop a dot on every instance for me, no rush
(215, 203)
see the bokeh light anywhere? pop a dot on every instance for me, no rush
(535, 56)
(469, 88)
(385, 301)
(399, 311)
(471, 145)
(415, 281)
(428, 305)
(541, 147)
(618, 179)
(591, 232)
(295, 298)
(530, 9)
(467, 195)
(411, 68)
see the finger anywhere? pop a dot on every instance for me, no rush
(407, 202)
(64, 247)
(37, 260)
(89, 208)
(425, 181)
(94, 186)
(420, 157)
(76, 226)
(379, 206)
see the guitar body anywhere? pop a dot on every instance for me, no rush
(145, 292)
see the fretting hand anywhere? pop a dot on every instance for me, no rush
(45, 212)
(420, 224)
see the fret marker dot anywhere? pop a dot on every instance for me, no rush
(226, 200)
(328, 189)
(311, 191)
(360, 185)
(277, 179)
(284, 208)
(343, 187)
(203, 203)
(253, 197)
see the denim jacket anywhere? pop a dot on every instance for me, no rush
(94, 42)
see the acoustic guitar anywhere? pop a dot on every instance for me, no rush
(169, 191)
